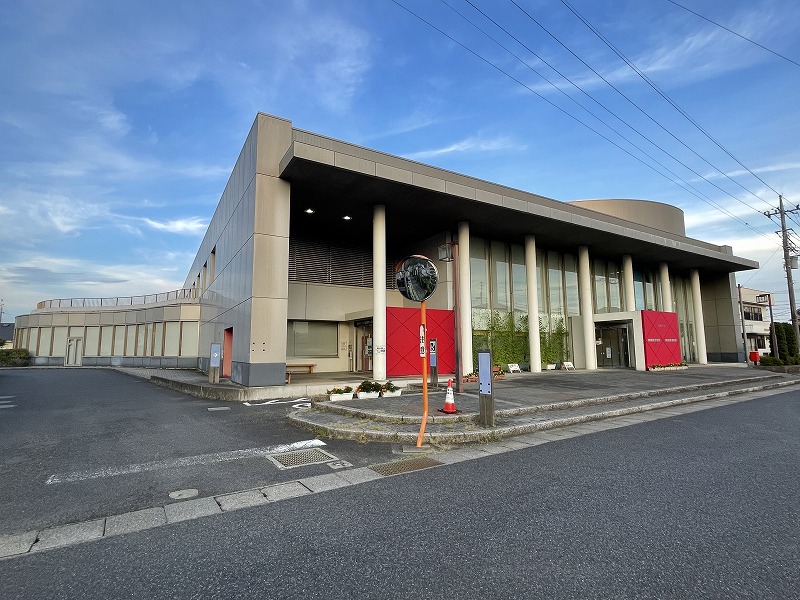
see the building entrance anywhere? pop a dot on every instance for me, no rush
(612, 345)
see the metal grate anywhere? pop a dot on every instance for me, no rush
(404, 466)
(300, 458)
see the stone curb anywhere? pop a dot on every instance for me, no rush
(497, 433)
(21, 544)
(384, 417)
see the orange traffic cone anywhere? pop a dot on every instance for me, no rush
(449, 400)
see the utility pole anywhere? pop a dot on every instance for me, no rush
(788, 248)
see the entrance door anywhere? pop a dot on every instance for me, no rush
(613, 348)
(363, 348)
(227, 353)
(74, 352)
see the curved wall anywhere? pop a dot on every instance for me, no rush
(644, 212)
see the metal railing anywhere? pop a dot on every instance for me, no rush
(183, 294)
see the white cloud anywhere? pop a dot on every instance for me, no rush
(190, 225)
(469, 145)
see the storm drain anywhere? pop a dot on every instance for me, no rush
(404, 466)
(300, 458)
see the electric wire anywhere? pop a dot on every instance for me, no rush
(570, 115)
(745, 38)
(669, 100)
(704, 197)
(635, 105)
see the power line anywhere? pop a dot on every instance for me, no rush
(601, 105)
(666, 97)
(745, 38)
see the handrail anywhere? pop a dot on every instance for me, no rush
(182, 294)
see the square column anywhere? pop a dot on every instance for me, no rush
(627, 280)
(699, 324)
(379, 293)
(533, 304)
(666, 288)
(587, 312)
(464, 299)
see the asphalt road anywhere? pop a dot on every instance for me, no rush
(704, 505)
(130, 444)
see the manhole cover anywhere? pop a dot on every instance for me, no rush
(299, 458)
(404, 466)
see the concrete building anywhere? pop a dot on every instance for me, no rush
(296, 268)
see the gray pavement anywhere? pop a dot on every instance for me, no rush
(535, 408)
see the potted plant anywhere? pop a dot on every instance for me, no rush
(471, 377)
(389, 389)
(341, 393)
(368, 389)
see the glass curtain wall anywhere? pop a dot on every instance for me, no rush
(499, 296)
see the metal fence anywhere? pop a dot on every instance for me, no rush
(183, 294)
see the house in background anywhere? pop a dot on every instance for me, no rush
(757, 330)
(6, 335)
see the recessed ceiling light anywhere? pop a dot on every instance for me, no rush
(347, 217)
(310, 211)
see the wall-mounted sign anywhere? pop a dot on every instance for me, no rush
(216, 353)
(416, 278)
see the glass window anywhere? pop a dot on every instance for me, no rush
(501, 286)
(312, 338)
(614, 293)
(600, 290)
(479, 283)
(571, 285)
(638, 289)
(519, 283)
(555, 283)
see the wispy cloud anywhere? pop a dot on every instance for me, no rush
(469, 145)
(190, 225)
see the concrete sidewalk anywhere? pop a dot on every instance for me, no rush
(523, 402)
(529, 402)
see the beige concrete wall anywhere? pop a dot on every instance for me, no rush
(722, 318)
(644, 212)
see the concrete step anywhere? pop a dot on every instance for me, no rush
(438, 431)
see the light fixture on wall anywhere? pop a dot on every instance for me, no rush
(310, 211)
(347, 217)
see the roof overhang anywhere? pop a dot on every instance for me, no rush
(336, 179)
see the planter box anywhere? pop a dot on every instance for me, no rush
(364, 395)
(667, 368)
(393, 394)
(470, 379)
(347, 396)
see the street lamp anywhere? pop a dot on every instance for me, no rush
(773, 339)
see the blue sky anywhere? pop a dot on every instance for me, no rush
(120, 121)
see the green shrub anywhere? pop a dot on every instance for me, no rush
(15, 357)
(770, 361)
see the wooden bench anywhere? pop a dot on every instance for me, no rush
(296, 368)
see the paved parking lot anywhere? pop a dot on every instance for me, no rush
(78, 444)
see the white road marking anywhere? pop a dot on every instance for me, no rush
(220, 408)
(277, 401)
(202, 459)
(6, 397)
(8, 405)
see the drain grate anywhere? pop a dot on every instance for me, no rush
(404, 466)
(300, 458)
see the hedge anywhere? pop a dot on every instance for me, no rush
(15, 357)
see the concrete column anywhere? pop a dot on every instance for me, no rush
(587, 312)
(666, 288)
(627, 281)
(699, 325)
(464, 299)
(533, 304)
(379, 293)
